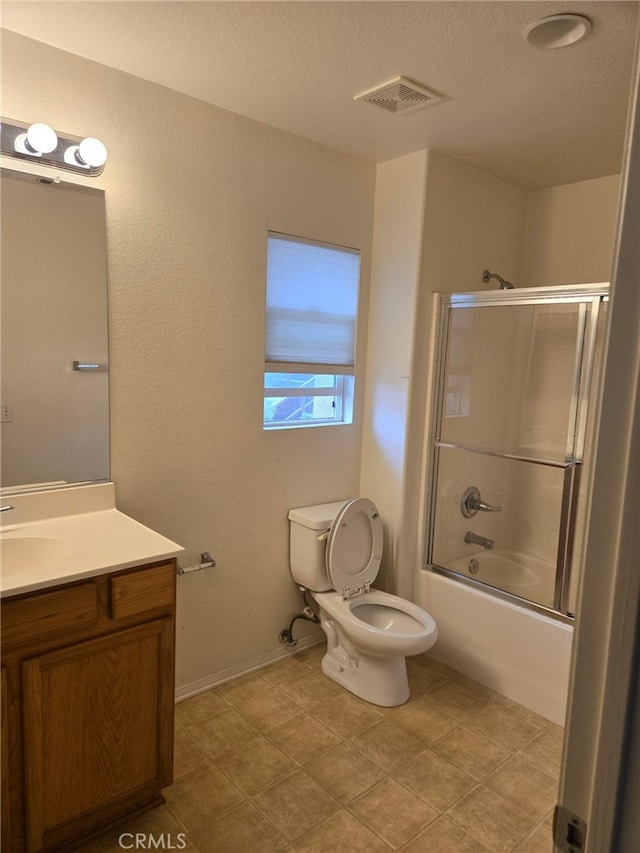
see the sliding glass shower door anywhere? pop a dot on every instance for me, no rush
(514, 375)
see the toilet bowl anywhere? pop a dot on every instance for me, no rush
(335, 552)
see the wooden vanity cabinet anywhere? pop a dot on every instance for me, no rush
(88, 699)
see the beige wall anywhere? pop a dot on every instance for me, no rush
(570, 233)
(191, 191)
(395, 279)
(470, 221)
(473, 222)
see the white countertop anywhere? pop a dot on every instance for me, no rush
(90, 536)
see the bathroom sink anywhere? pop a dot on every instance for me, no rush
(18, 553)
(59, 536)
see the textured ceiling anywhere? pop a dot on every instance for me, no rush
(534, 118)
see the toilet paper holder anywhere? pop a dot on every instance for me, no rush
(206, 562)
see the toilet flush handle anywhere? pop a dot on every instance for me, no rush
(323, 536)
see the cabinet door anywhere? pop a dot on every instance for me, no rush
(98, 720)
(4, 763)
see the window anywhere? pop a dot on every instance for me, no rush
(312, 300)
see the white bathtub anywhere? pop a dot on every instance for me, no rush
(526, 576)
(520, 653)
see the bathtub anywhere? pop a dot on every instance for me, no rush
(520, 653)
(526, 576)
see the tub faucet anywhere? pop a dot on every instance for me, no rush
(475, 539)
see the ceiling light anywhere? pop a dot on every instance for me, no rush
(557, 31)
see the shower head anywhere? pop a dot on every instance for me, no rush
(504, 284)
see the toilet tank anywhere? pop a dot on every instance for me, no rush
(306, 550)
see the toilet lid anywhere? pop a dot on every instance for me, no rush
(354, 547)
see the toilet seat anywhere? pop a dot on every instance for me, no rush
(354, 548)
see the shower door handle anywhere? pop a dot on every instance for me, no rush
(472, 503)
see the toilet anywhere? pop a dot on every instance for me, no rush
(335, 553)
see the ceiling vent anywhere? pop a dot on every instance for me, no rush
(399, 95)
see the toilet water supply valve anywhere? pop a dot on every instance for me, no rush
(286, 635)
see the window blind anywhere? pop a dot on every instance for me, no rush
(312, 302)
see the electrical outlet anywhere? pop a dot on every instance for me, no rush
(6, 413)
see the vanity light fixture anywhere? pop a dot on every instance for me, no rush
(61, 151)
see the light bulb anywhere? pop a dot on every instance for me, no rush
(41, 139)
(91, 152)
(71, 157)
(20, 144)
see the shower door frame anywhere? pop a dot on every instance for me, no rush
(589, 297)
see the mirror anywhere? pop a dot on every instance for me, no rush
(54, 346)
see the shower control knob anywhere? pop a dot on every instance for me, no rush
(472, 502)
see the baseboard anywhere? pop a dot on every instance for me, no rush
(186, 691)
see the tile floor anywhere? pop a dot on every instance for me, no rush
(286, 761)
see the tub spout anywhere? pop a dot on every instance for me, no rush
(475, 539)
